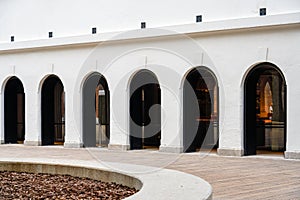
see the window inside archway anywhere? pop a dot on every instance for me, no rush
(270, 112)
(101, 105)
(265, 111)
(200, 111)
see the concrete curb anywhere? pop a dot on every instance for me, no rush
(154, 183)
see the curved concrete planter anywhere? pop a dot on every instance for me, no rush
(156, 184)
(77, 171)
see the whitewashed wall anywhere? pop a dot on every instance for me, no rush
(230, 54)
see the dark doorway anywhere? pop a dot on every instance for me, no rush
(264, 110)
(145, 111)
(200, 111)
(53, 111)
(95, 111)
(14, 111)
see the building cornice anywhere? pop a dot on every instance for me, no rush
(188, 29)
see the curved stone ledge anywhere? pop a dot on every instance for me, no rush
(77, 171)
(153, 183)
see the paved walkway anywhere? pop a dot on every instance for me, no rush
(251, 177)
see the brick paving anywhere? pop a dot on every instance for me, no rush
(251, 177)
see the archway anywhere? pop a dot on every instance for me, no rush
(200, 111)
(145, 111)
(95, 111)
(53, 111)
(264, 110)
(14, 111)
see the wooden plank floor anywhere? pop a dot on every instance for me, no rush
(231, 177)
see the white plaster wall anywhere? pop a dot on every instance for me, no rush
(119, 63)
(33, 19)
(169, 60)
(32, 68)
(229, 54)
(229, 61)
(234, 54)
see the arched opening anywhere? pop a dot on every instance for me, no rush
(14, 111)
(145, 111)
(200, 111)
(53, 111)
(95, 101)
(264, 110)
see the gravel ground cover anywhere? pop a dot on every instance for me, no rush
(21, 185)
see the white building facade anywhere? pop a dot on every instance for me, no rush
(178, 77)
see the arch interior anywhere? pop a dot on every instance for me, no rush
(96, 129)
(145, 111)
(53, 111)
(14, 111)
(200, 111)
(265, 110)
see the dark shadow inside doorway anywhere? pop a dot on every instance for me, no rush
(53, 111)
(14, 112)
(145, 111)
(200, 111)
(264, 111)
